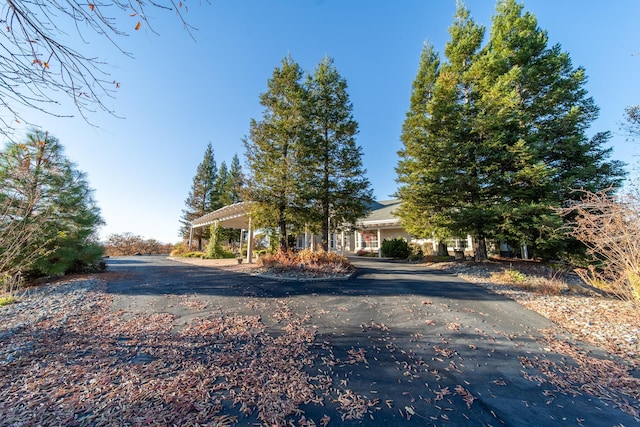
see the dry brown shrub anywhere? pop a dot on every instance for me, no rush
(609, 226)
(550, 287)
(319, 262)
(131, 244)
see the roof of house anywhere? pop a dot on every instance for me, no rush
(382, 214)
(237, 216)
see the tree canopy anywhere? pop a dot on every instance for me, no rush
(496, 136)
(337, 183)
(306, 166)
(48, 215)
(202, 197)
(273, 152)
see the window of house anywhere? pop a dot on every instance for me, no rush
(369, 240)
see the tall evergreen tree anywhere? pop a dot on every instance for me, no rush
(539, 107)
(414, 161)
(445, 170)
(236, 180)
(502, 137)
(336, 183)
(41, 187)
(222, 185)
(273, 152)
(202, 197)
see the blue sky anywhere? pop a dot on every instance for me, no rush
(178, 94)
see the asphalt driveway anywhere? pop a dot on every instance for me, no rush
(417, 347)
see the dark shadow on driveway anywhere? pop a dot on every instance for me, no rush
(160, 276)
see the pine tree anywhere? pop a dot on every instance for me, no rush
(202, 197)
(273, 152)
(413, 161)
(496, 136)
(336, 181)
(236, 180)
(540, 110)
(222, 185)
(47, 208)
(445, 168)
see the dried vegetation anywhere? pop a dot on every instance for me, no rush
(306, 263)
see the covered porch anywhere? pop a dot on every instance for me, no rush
(236, 216)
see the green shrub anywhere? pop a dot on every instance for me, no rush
(8, 299)
(195, 254)
(512, 277)
(214, 248)
(396, 248)
(71, 256)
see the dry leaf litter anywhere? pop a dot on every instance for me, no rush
(66, 359)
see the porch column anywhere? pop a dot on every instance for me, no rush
(379, 244)
(250, 243)
(342, 242)
(190, 236)
(241, 241)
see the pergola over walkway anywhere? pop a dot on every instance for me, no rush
(230, 216)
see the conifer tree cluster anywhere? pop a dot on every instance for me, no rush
(307, 172)
(212, 188)
(495, 137)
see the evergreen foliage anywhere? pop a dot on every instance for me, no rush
(214, 248)
(495, 137)
(49, 217)
(306, 166)
(396, 248)
(221, 186)
(235, 186)
(273, 152)
(336, 184)
(202, 197)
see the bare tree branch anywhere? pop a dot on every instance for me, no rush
(609, 226)
(38, 68)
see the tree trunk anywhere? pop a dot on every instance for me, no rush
(282, 224)
(325, 228)
(480, 248)
(442, 249)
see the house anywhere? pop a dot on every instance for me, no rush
(365, 235)
(382, 224)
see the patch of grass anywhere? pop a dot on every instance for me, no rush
(509, 277)
(7, 300)
(195, 254)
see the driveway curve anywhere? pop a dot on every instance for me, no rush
(411, 346)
